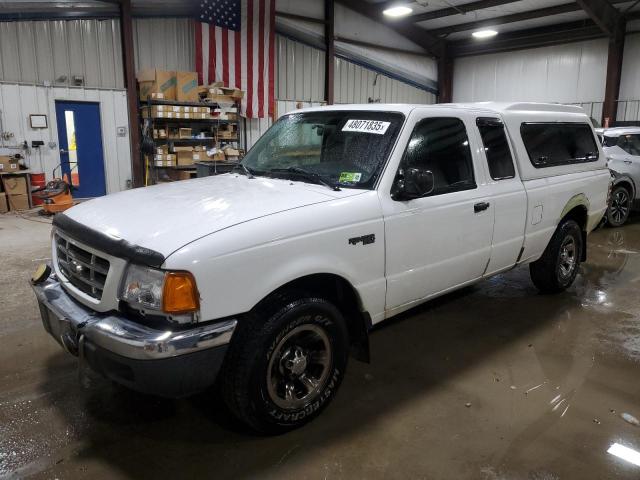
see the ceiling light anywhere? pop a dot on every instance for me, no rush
(484, 33)
(398, 11)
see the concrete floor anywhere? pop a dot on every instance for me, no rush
(493, 382)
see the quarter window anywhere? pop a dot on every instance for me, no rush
(552, 144)
(496, 148)
(441, 145)
(630, 144)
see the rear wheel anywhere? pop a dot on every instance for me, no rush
(285, 363)
(556, 270)
(619, 207)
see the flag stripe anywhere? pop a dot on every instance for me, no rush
(272, 56)
(261, 59)
(238, 62)
(199, 57)
(225, 57)
(249, 93)
(212, 54)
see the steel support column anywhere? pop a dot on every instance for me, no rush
(126, 32)
(329, 51)
(445, 76)
(614, 74)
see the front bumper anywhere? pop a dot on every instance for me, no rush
(166, 363)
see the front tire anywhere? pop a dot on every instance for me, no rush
(285, 363)
(556, 270)
(619, 207)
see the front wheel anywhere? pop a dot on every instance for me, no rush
(556, 270)
(619, 207)
(285, 363)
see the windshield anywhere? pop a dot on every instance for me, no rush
(346, 148)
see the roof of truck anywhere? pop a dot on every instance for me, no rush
(617, 131)
(495, 107)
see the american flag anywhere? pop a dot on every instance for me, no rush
(235, 45)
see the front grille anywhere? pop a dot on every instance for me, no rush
(84, 270)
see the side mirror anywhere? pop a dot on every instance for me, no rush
(413, 183)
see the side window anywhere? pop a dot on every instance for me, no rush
(496, 148)
(441, 146)
(552, 144)
(630, 144)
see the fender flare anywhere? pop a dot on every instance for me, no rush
(618, 178)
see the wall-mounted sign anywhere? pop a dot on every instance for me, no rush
(38, 120)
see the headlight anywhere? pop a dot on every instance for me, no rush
(160, 291)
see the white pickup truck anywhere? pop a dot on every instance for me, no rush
(264, 280)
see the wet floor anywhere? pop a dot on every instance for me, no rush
(493, 382)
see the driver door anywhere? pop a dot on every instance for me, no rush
(441, 240)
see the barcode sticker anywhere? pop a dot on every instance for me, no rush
(366, 126)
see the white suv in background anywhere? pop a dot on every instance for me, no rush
(621, 145)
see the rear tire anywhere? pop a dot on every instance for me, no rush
(619, 207)
(556, 270)
(285, 362)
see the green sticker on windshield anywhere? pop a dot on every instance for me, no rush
(350, 177)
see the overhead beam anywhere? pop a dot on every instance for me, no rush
(514, 17)
(602, 13)
(302, 18)
(459, 9)
(126, 33)
(421, 37)
(531, 38)
(330, 51)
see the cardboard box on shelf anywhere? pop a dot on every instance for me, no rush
(179, 174)
(4, 206)
(187, 87)
(162, 133)
(184, 133)
(162, 149)
(14, 185)
(231, 154)
(184, 158)
(18, 202)
(198, 156)
(8, 164)
(182, 148)
(157, 96)
(220, 99)
(165, 160)
(157, 81)
(234, 93)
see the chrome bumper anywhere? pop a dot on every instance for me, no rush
(69, 321)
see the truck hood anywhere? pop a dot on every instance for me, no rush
(166, 217)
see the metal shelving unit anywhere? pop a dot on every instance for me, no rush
(149, 123)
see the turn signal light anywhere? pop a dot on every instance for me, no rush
(180, 294)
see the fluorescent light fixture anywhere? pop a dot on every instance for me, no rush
(625, 453)
(397, 11)
(488, 33)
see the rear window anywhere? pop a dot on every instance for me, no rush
(553, 144)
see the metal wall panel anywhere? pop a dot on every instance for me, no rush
(164, 43)
(571, 73)
(357, 84)
(629, 84)
(299, 71)
(17, 101)
(42, 51)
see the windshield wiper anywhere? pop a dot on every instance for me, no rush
(313, 176)
(246, 170)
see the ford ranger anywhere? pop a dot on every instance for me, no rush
(263, 281)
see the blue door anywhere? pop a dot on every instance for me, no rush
(80, 141)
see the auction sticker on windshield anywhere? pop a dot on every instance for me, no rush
(350, 177)
(366, 126)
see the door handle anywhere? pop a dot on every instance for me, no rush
(480, 207)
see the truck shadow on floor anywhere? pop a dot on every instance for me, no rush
(415, 357)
